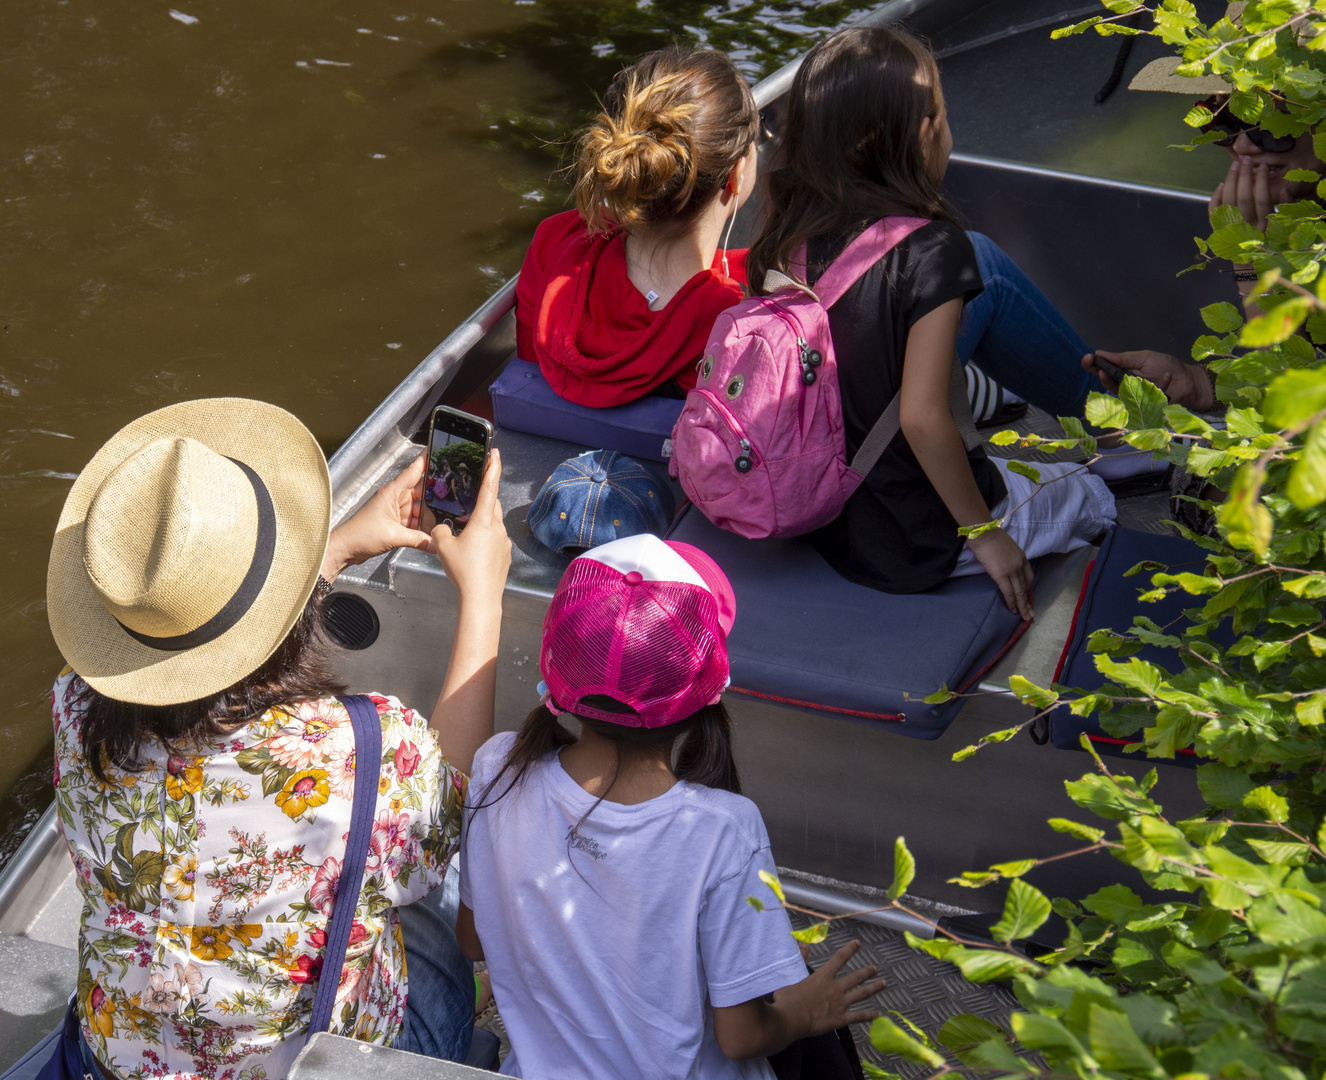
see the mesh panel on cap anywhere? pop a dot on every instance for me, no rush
(656, 646)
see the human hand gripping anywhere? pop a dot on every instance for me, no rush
(390, 519)
(1007, 565)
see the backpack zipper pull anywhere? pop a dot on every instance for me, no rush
(743, 463)
(809, 359)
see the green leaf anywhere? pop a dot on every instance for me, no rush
(1198, 116)
(1145, 401)
(1221, 785)
(813, 934)
(1228, 240)
(966, 1032)
(904, 869)
(1221, 317)
(1277, 324)
(1105, 411)
(1116, 903)
(1030, 694)
(1081, 832)
(1015, 868)
(1281, 852)
(888, 1038)
(1023, 468)
(1039, 1032)
(1025, 910)
(777, 886)
(758, 905)
(1243, 518)
(1294, 396)
(1307, 481)
(1273, 806)
(1116, 1047)
(940, 696)
(876, 1073)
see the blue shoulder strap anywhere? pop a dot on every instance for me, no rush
(368, 761)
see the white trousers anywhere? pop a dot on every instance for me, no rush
(1067, 510)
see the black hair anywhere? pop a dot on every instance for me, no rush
(701, 746)
(114, 732)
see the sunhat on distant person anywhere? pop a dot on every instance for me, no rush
(187, 549)
(1163, 75)
(641, 621)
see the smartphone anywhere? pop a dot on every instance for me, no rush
(1112, 370)
(458, 449)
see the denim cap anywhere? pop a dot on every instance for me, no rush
(596, 498)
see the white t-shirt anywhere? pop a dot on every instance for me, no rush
(607, 941)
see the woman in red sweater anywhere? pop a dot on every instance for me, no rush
(617, 297)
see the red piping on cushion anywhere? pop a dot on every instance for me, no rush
(896, 717)
(1072, 627)
(1013, 640)
(1131, 742)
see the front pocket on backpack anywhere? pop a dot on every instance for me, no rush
(708, 448)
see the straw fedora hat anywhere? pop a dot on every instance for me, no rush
(187, 548)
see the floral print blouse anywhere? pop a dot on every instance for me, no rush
(208, 878)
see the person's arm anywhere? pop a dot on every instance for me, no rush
(466, 936)
(935, 440)
(818, 1003)
(1182, 382)
(476, 562)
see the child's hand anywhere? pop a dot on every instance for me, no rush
(1007, 565)
(821, 1001)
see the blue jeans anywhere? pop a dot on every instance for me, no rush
(1018, 338)
(439, 1009)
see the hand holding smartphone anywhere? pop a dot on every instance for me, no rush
(458, 448)
(1112, 370)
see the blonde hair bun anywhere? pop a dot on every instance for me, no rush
(672, 127)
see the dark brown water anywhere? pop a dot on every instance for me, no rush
(293, 201)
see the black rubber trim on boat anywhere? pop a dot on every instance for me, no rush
(350, 620)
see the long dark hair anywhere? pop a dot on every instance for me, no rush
(114, 732)
(850, 151)
(701, 747)
(673, 125)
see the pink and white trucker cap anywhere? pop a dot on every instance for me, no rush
(644, 622)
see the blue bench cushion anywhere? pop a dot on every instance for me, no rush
(523, 401)
(1109, 601)
(808, 637)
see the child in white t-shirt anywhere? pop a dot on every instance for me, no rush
(604, 878)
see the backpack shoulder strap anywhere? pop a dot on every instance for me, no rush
(368, 760)
(861, 254)
(890, 422)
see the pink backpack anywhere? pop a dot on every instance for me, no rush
(759, 446)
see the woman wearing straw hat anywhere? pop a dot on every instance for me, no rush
(205, 768)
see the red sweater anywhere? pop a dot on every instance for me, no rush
(590, 330)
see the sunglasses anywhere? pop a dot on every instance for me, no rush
(1225, 121)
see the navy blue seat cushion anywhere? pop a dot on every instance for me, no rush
(806, 636)
(523, 401)
(1109, 601)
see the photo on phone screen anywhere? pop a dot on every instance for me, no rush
(457, 455)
